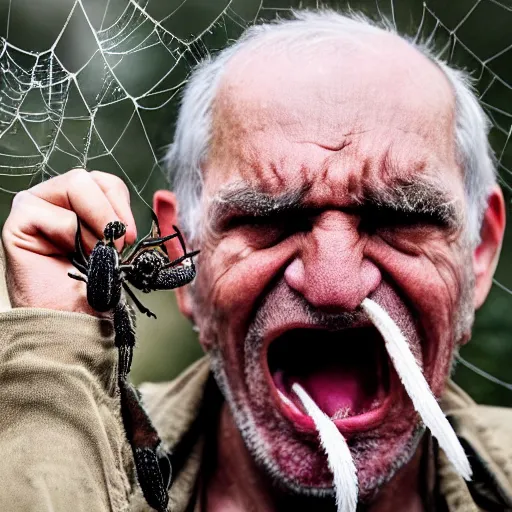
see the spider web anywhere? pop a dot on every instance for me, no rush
(95, 83)
(61, 109)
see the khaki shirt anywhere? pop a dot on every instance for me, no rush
(62, 444)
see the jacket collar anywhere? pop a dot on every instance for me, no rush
(176, 409)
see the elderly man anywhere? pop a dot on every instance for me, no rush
(320, 164)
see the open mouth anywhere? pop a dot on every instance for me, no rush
(347, 373)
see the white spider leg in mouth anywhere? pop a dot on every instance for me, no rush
(338, 454)
(417, 387)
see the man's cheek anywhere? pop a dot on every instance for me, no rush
(450, 292)
(238, 284)
(430, 284)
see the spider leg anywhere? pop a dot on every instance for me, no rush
(137, 302)
(145, 443)
(180, 238)
(124, 326)
(155, 231)
(164, 461)
(133, 251)
(181, 258)
(146, 242)
(153, 242)
(77, 277)
(155, 228)
(78, 265)
(78, 258)
(79, 250)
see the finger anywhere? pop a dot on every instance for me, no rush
(77, 191)
(41, 227)
(118, 194)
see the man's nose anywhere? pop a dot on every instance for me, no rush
(330, 270)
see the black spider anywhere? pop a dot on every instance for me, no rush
(146, 266)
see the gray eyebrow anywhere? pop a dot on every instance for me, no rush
(245, 200)
(418, 197)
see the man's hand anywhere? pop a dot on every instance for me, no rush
(39, 234)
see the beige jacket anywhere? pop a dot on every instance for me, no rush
(62, 446)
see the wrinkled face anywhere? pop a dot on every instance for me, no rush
(332, 177)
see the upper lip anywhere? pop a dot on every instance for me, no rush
(347, 426)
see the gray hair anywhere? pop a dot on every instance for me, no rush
(189, 151)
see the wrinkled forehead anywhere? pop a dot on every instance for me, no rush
(277, 102)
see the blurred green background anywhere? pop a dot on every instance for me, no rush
(123, 64)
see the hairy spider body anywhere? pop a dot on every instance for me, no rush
(146, 266)
(124, 327)
(166, 279)
(103, 278)
(154, 470)
(151, 271)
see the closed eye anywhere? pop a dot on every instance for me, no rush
(377, 218)
(266, 231)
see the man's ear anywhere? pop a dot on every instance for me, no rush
(165, 206)
(486, 254)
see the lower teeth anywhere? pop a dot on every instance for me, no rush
(341, 414)
(339, 458)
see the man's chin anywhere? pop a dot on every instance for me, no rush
(306, 472)
(291, 456)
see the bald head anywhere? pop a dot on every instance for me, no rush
(346, 66)
(277, 105)
(333, 71)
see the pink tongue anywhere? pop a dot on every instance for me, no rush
(342, 374)
(334, 391)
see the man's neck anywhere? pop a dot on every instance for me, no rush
(235, 484)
